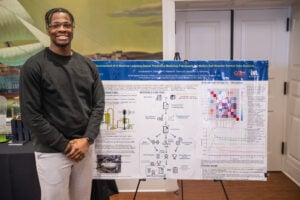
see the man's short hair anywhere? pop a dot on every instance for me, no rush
(50, 13)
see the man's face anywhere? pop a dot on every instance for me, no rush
(60, 29)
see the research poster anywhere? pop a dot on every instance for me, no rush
(183, 120)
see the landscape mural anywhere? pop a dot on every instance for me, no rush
(104, 30)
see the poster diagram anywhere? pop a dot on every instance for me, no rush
(166, 151)
(170, 119)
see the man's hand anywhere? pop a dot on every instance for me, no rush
(78, 148)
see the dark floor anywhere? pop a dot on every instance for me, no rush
(277, 187)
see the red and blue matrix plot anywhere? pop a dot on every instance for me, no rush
(224, 104)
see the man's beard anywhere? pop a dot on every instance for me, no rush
(62, 45)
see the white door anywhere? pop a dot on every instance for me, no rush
(292, 158)
(203, 35)
(258, 34)
(262, 35)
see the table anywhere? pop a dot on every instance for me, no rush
(19, 181)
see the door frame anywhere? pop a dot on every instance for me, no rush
(169, 40)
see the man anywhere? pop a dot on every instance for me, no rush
(62, 103)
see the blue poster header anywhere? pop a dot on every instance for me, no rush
(151, 70)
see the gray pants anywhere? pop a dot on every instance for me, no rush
(65, 179)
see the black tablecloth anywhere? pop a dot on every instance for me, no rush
(18, 176)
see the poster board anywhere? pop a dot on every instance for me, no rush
(183, 120)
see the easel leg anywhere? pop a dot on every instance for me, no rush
(137, 188)
(224, 190)
(181, 189)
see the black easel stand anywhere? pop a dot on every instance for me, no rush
(224, 190)
(137, 187)
(177, 56)
(181, 189)
(139, 182)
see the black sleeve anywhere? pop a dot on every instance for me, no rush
(96, 116)
(31, 107)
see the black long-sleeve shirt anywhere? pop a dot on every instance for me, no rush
(62, 98)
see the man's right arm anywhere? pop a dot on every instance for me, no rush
(31, 92)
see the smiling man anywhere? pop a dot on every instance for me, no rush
(62, 102)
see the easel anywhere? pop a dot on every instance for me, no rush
(223, 187)
(177, 57)
(181, 186)
(137, 187)
(139, 182)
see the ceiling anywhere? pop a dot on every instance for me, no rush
(229, 4)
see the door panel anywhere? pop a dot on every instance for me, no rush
(292, 158)
(203, 35)
(261, 35)
(253, 34)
